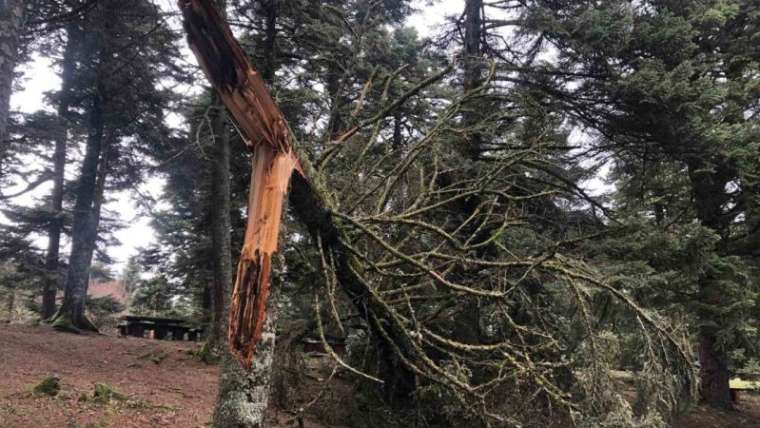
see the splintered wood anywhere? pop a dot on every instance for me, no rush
(244, 92)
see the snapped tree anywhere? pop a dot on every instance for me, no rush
(407, 289)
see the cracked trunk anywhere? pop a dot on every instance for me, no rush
(246, 372)
(276, 157)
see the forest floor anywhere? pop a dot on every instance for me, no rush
(161, 384)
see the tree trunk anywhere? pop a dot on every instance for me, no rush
(50, 286)
(473, 67)
(244, 394)
(709, 197)
(277, 155)
(714, 372)
(219, 205)
(71, 315)
(11, 21)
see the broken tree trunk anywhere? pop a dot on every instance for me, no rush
(276, 156)
(243, 91)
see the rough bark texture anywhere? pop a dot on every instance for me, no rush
(220, 227)
(11, 21)
(243, 393)
(89, 194)
(244, 92)
(50, 286)
(714, 374)
(277, 155)
(246, 373)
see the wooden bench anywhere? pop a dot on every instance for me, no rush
(162, 328)
(738, 386)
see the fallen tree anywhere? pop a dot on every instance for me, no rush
(383, 237)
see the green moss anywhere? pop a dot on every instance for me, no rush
(207, 354)
(49, 386)
(104, 393)
(63, 323)
(157, 356)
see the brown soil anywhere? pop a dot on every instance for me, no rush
(164, 386)
(746, 415)
(177, 391)
(162, 383)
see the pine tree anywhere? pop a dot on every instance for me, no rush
(130, 276)
(670, 87)
(379, 225)
(125, 50)
(11, 24)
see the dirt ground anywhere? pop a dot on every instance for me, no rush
(163, 385)
(747, 415)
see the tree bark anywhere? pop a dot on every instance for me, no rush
(244, 394)
(277, 155)
(473, 67)
(71, 315)
(219, 206)
(714, 374)
(709, 197)
(11, 21)
(52, 279)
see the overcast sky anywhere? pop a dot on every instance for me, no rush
(39, 77)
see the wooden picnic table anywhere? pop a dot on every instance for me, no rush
(737, 386)
(162, 328)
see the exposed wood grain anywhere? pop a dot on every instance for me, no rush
(245, 95)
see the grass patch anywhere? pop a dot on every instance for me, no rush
(49, 386)
(157, 356)
(206, 355)
(104, 393)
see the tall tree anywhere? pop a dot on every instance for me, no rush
(385, 237)
(51, 282)
(11, 22)
(244, 391)
(671, 89)
(219, 212)
(125, 50)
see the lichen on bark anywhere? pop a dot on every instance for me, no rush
(244, 393)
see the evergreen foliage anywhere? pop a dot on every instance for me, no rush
(498, 220)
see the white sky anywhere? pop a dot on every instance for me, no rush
(39, 78)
